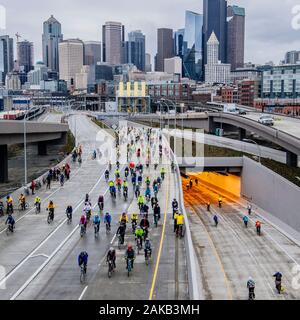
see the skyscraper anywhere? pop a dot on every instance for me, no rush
(52, 36)
(92, 52)
(235, 36)
(214, 20)
(179, 44)
(164, 47)
(192, 57)
(292, 57)
(136, 49)
(70, 60)
(113, 40)
(25, 55)
(215, 71)
(148, 67)
(6, 56)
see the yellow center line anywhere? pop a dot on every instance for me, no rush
(229, 293)
(161, 244)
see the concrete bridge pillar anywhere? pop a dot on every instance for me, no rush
(242, 134)
(291, 159)
(42, 149)
(3, 164)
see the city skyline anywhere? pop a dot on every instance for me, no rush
(258, 40)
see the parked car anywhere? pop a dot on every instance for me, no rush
(266, 120)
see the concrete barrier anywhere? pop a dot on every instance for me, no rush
(192, 264)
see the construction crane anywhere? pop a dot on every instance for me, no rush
(18, 36)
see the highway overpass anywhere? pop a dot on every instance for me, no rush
(12, 132)
(286, 134)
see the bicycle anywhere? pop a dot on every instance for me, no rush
(83, 273)
(50, 216)
(129, 263)
(125, 194)
(155, 220)
(9, 229)
(23, 207)
(82, 231)
(108, 228)
(147, 257)
(69, 216)
(110, 268)
(96, 230)
(179, 231)
(37, 208)
(120, 242)
(139, 245)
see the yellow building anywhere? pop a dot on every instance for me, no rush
(132, 98)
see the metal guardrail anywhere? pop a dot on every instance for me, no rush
(189, 246)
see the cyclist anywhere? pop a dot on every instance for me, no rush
(107, 220)
(246, 220)
(51, 210)
(119, 184)
(141, 201)
(1, 209)
(278, 279)
(94, 154)
(62, 179)
(126, 172)
(96, 222)
(154, 201)
(83, 221)
(249, 207)
(124, 218)
(88, 211)
(83, 260)
(220, 200)
(147, 248)
(155, 189)
(22, 201)
(129, 255)
(137, 191)
(87, 200)
(69, 212)
(258, 227)
(140, 180)
(175, 220)
(156, 212)
(179, 224)
(10, 221)
(121, 231)
(134, 218)
(216, 219)
(133, 179)
(106, 175)
(174, 206)
(148, 194)
(158, 182)
(111, 256)
(117, 173)
(101, 202)
(37, 203)
(148, 181)
(163, 173)
(251, 288)
(139, 235)
(145, 225)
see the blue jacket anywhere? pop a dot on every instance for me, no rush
(107, 218)
(83, 259)
(10, 220)
(96, 219)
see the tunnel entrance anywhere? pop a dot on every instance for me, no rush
(227, 184)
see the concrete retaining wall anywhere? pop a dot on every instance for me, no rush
(271, 192)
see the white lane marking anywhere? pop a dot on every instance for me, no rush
(25, 285)
(54, 192)
(5, 278)
(39, 255)
(83, 292)
(113, 239)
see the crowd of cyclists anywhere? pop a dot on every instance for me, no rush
(132, 181)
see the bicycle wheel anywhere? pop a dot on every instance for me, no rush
(82, 276)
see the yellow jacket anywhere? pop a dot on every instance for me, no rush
(180, 220)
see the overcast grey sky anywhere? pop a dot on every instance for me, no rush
(269, 32)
